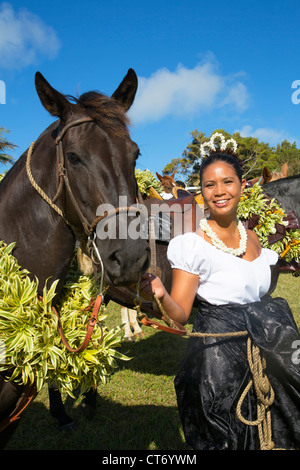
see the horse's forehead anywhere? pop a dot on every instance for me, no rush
(94, 134)
(276, 176)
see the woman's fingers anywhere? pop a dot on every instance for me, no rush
(150, 285)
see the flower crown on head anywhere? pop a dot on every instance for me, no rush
(210, 145)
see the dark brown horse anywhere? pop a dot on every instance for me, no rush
(83, 160)
(286, 191)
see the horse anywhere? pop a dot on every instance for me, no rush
(168, 183)
(51, 197)
(267, 176)
(286, 191)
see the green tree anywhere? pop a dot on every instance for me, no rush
(188, 166)
(254, 155)
(290, 154)
(4, 146)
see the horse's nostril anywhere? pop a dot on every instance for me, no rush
(115, 256)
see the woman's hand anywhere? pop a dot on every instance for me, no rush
(178, 305)
(150, 285)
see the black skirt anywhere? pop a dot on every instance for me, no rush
(215, 372)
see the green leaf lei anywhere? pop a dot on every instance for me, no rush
(255, 203)
(33, 351)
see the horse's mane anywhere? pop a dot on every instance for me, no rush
(105, 110)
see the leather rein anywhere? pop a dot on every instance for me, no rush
(89, 228)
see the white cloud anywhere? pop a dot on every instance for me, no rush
(236, 94)
(265, 134)
(24, 37)
(185, 92)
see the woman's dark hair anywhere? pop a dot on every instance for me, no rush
(222, 157)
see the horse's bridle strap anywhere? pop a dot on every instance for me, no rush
(90, 327)
(61, 173)
(63, 179)
(71, 124)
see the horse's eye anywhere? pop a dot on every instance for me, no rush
(73, 158)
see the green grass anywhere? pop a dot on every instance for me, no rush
(288, 287)
(137, 409)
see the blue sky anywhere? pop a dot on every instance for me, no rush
(201, 65)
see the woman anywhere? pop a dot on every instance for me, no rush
(224, 265)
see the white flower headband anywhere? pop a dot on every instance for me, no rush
(211, 144)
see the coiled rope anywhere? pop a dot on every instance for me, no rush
(265, 397)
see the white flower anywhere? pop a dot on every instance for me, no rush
(221, 245)
(211, 144)
(233, 142)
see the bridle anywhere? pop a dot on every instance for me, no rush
(89, 228)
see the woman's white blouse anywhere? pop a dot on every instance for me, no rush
(223, 278)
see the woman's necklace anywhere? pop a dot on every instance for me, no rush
(221, 245)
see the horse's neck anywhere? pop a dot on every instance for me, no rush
(44, 243)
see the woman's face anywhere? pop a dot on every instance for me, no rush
(221, 188)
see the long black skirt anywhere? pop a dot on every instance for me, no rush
(215, 372)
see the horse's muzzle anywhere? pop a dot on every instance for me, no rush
(125, 262)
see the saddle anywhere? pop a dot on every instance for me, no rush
(172, 217)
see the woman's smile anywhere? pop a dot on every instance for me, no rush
(221, 202)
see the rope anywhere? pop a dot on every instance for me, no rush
(265, 397)
(170, 322)
(37, 187)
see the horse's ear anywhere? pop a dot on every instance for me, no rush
(285, 170)
(159, 177)
(52, 100)
(125, 93)
(266, 174)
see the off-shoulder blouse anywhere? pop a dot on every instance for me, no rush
(223, 278)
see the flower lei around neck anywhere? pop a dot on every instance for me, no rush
(221, 245)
